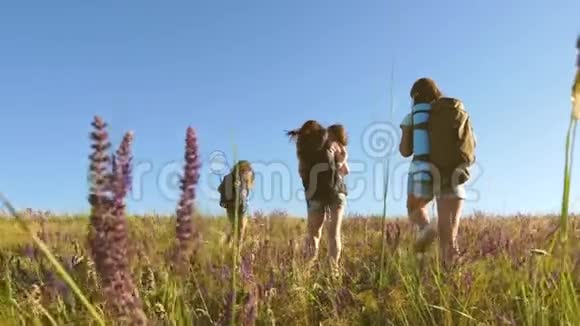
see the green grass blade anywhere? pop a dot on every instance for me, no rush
(235, 240)
(567, 179)
(386, 190)
(52, 259)
(47, 315)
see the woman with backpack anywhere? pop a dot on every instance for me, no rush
(323, 186)
(235, 191)
(438, 135)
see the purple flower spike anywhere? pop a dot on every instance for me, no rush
(108, 235)
(122, 167)
(100, 160)
(184, 227)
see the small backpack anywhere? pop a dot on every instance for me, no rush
(452, 141)
(227, 190)
(327, 184)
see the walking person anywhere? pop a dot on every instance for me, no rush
(323, 184)
(438, 134)
(234, 192)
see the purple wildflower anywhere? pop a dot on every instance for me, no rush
(246, 269)
(250, 309)
(122, 169)
(344, 299)
(229, 300)
(29, 251)
(55, 287)
(99, 158)
(108, 230)
(250, 312)
(184, 227)
(225, 273)
(98, 198)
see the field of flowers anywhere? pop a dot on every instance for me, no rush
(501, 279)
(111, 268)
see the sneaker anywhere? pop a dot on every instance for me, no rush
(425, 237)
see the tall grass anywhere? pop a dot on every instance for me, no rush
(236, 235)
(569, 152)
(387, 181)
(53, 261)
(569, 148)
(501, 279)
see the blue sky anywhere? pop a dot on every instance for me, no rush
(243, 72)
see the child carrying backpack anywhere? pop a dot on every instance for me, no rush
(234, 192)
(439, 136)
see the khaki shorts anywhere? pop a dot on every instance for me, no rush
(426, 189)
(317, 207)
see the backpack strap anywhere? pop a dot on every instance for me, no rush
(423, 157)
(422, 125)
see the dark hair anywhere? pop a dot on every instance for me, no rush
(309, 138)
(425, 90)
(338, 131)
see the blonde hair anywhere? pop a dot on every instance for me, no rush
(244, 169)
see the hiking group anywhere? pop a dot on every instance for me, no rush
(437, 133)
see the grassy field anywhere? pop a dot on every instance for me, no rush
(502, 278)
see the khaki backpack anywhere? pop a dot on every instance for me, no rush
(452, 141)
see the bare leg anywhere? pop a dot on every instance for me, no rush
(236, 230)
(242, 222)
(449, 211)
(231, 217)
(334, 230)
(417, 209)
(316, 214)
